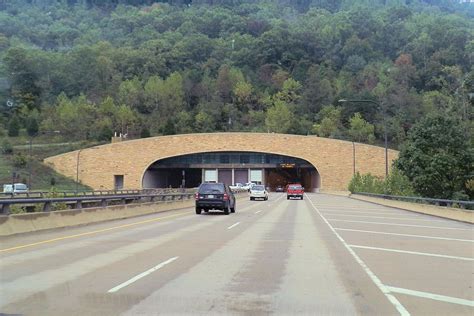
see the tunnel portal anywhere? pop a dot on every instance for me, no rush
(272, 170)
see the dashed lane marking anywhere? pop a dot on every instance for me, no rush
(141, 275)
(413, 252)
(232, 226)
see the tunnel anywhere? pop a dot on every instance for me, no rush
(272, 170)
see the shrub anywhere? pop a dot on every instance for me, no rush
(19, 160)
(366, 183)
(7, 147)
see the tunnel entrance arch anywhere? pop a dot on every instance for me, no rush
(231, 167)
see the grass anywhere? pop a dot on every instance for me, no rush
(42, 176)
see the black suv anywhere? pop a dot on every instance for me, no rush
(215, 196)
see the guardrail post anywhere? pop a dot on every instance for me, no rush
(78, 205)
(103, 203)
(123, 201)
(47, 206)
(5, 209)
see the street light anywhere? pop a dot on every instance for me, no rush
(384, 115)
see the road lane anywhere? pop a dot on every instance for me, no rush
(272, 257)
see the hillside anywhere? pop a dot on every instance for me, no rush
(92, 68)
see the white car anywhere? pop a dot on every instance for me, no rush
(237, 186)
(258, 192)
(15, 188)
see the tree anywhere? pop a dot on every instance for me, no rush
(437, 157)
(14, 127)
(279, 118)
(360, 130)
(330, 124)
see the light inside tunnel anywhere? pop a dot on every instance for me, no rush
(272, 170)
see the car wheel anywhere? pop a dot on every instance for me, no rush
(251, 199)
(198, 210)
(232, 209)
(287, 197)
(226, 210)
(301, 198)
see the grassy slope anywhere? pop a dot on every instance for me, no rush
(41, 174)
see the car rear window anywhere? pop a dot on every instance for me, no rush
(211, 188)
(295, 187)
(258, 188)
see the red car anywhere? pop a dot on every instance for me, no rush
(294, 190)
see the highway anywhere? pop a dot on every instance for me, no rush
(324, 255)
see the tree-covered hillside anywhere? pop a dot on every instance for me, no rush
(94, 67)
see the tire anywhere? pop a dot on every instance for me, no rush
(226, 210)
(301, 197)
(287, 197)
(251, 199)
(232, 209)
(198, 210)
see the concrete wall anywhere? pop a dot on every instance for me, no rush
(332, 158)
(445, 212)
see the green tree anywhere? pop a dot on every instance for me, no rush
(437, 157)
(14, 127)
(360, 130)
(330, 124)
(279, 118)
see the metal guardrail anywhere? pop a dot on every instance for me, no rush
(439, 202)
(46, 194)
(78, 202)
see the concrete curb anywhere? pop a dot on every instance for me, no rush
(31, 222)
(439, 211)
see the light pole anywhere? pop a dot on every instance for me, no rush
(77, 169)
(384, 115)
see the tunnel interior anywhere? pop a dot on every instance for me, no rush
(272, 170)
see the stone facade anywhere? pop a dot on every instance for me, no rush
(333, 159)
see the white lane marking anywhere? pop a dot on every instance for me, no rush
(404, 235)
(393, 224)
(386, 217)
(371, 213)
(258, 212)
(232, 226)
(413, 252)
(400, 308)
(365, 211)
(432, 296)
(141, 275)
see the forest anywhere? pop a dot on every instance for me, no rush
(92, 68)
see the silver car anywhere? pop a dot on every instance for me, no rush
(258, 192)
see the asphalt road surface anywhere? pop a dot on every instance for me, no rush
(324, 255)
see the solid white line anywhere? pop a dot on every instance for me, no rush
(257, 212)
(386, 217)
(141, 275)
(404, 235)
(413, 252)
(405, 225)
(232, 226)
(400, 308)
(437, 297)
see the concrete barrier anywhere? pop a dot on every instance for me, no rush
(439, 211)
(31, 222)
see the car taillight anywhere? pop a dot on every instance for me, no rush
(196, 196)
(226, 197)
